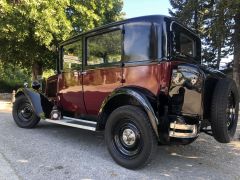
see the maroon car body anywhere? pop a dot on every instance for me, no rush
(148, 65)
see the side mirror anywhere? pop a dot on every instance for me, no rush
(36, 85)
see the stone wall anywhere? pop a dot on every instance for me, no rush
(6, 96)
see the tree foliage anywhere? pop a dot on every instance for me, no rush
(29, 29)
(218, 24)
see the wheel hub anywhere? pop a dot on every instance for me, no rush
(129, 137)
(25, 113)
(230, 111)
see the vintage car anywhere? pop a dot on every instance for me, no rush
(140, 81)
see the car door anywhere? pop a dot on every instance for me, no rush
(102, 68)
(70, 80)
(140, 64)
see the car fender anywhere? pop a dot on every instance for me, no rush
(140, 97)
(40, 103)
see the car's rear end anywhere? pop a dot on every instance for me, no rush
(200, 99)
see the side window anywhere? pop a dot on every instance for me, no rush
(104, 48)
(72, 56)
(137, 45)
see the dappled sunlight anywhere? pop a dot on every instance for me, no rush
(202, 140)
(5, 105)
(189, 157)
(235, 145)
(24, 161)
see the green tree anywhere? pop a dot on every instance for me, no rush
(29, 29)
(218, 23)
(204, 16)
(232, 9)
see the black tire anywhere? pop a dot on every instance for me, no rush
(23, 113)
(224, 110)
(138, 154)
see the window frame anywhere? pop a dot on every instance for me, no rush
(176, 28)
(98, 33)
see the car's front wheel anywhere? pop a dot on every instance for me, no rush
(129, 137)
(23, 113)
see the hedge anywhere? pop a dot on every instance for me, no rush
(9, 86)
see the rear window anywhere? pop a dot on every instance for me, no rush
(185, 43)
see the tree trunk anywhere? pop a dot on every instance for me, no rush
(36, 70)
(236, 59)
(196, 11)
(219, 56)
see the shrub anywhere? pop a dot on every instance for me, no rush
(7, 86)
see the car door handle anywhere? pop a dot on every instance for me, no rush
(83, 73)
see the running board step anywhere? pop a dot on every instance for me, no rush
(77, 123)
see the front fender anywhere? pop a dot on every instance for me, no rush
(140, 98)
(40, 103)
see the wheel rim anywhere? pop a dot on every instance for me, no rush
(231, 111)
(127, 139)
(25, 112)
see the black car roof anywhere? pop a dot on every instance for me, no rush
(150, 18)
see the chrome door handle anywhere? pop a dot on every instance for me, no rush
(83, 73)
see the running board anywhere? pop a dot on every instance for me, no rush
(77, 123)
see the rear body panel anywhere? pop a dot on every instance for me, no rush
(186, 90)
(154, 76)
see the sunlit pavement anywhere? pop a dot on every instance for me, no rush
(5, 106)
(57, 152)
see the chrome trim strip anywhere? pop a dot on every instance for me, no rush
(65, 123)
(181, 135)
(174, 126)
(80, 120)
(182, 126)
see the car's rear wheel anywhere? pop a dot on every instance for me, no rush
(224, 112)
(23, 113)
(129, 137)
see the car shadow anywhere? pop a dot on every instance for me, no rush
(204, 153)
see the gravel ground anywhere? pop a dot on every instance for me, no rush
(57, 152)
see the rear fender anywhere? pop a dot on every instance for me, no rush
(40, 103)
(139, 97)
